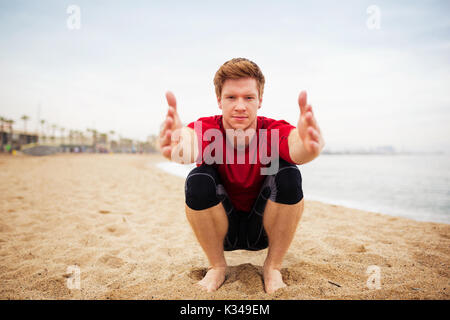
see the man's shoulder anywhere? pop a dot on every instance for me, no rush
(212, 121)
(269, 123)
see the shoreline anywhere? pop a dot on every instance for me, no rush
(124, 227)
(181, 171)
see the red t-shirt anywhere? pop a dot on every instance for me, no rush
(242, 179)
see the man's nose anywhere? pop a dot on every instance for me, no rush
(241, 104)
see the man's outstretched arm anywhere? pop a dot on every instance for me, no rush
(177, 143)
(306, 142)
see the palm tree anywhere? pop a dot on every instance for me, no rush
(88, 130)
(76, 134)
(104, 137)
(112, 133)
(42, 130)
(94, 138)
(91, 131)
(54, 127)
(81, 135)
(2, 123)
(10, 122)
(61, 129)
(71, 133)
(25, 118)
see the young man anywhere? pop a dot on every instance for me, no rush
(231, 202)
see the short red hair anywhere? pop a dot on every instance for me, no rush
(238, 68)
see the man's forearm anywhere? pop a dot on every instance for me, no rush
(297, 150)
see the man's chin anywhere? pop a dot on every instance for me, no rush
(239, 126)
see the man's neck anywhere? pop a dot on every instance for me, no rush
(246, 135)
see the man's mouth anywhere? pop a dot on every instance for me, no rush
(239, 118)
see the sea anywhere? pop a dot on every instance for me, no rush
(415, 186)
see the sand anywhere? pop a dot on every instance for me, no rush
(121, 221)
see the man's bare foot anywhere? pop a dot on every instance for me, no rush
(272, 279)
(213, 279)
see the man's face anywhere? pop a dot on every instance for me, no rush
(239, 103)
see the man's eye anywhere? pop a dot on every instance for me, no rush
(249, 98)
(231, 97)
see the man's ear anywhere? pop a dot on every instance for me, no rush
(219, 102)
(260, 103)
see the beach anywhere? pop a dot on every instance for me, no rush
(120, 220)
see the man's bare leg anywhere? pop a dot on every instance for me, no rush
(210, 226)
(280, 222)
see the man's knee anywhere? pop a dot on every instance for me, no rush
(289, 186)
(201, 188)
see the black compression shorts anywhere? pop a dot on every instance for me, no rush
(204, 190)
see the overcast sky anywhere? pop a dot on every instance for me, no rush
(368, 87)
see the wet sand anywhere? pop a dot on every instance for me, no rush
(121, 221)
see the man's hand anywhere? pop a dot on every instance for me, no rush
(306, 142)
(307, 127)
(168, 127)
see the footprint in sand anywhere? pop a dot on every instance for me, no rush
(109, 212)
(345, 245)
(197, 274)
(118, 229)
(361, 249)
(111, 261)
(293, 275)
(248, 278)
